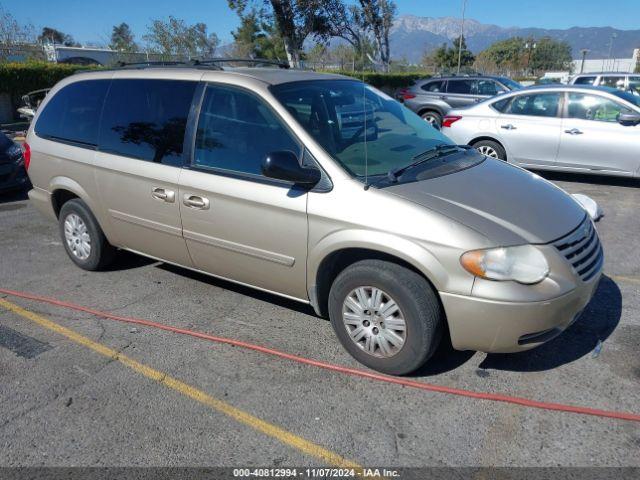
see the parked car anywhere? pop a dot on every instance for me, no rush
(622, 81)
(247, 174)
(12, 172)
(432, 98)
(565, 128)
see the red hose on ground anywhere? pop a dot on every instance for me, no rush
(337, 368)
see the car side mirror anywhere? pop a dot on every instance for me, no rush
(284, 165)
(629, 119)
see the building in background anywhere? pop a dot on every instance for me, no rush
(594, 65)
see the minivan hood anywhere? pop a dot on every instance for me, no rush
(506, 204)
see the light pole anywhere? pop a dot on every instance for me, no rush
(531, 45)
(584, 52)
(464, 8)
(613, 35)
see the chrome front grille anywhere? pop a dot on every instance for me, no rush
(582, 250)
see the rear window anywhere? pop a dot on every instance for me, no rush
(437, 86)
(147, 119)
(584, 81)
(73, 114)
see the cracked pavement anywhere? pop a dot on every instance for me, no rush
(68, 406)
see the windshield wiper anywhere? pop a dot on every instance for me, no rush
(435, 152)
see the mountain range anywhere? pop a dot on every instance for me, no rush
(412, 36)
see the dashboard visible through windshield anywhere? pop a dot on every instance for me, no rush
(363, 129)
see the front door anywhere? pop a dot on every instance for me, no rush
(237, 223)
(530, 128)
(138, 164)
(593, 140)
(461, 93)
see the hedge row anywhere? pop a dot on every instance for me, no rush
(16, 79)
(387, 81)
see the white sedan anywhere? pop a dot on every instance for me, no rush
(563, 128)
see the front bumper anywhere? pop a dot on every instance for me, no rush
(503, 327)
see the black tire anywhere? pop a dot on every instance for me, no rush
(102, 253)
(491, 146)
(432, 117)
(417, 301)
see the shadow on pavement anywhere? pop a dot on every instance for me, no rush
(234, 287)
(596, 323)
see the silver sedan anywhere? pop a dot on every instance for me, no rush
(564, 128)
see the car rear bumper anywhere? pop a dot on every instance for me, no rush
(12, 177)
(503, 327)
(41, 199)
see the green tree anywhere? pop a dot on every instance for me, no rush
(445, 57)
(379, 16)
(295, 21)
(503, 56)
(550, 54)
(51, 35)
(175, 38)
(257, 36)
(122, 39)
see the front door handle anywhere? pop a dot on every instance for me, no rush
(574, 131)
(196, 202)
(508, 127)
(160, 193)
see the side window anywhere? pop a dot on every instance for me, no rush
(487, 87)
(236, 130)
(634, 84)
(436, 86)
(73, 114)
(460, 86)
(537, 105)
(147, 119)
(593, 107)
(613, 82)
(501, 105)
(584, 81)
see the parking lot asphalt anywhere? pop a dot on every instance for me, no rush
(67, 402)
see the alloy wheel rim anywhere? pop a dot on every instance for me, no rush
(77, 236)
(488, 151)
(374, 322)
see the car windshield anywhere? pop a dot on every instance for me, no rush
(512, 84)
(366, 131)
(629, 97)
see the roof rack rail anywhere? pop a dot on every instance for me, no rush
(257, 61)
(160, 63)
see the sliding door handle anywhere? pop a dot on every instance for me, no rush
(196, 202)
(160, 193)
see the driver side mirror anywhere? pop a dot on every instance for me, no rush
(284, 165)
(629, 119)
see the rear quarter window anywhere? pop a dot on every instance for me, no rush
(146, 119)
(73, 114)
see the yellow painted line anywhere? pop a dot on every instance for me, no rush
(621, 278)
(287, 438)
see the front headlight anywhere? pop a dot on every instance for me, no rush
(523, 264)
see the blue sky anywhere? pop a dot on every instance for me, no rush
(92, 20)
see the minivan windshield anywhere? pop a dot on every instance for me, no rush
(366, 131)
(511, 84)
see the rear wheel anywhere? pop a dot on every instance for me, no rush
(491, 149)
(386, 316)
(432, 118)
(83, 238)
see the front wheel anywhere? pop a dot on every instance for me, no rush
(386, 316)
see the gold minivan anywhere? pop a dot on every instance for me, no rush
(318, 188)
